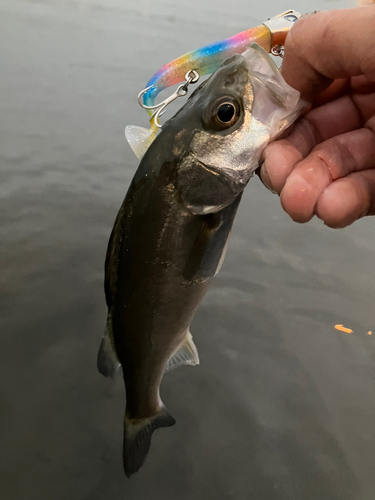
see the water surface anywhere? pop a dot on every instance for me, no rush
(282, 406)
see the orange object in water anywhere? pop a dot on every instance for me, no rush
(369, 333)
(343, 329)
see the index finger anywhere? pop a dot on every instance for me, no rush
(324, 46)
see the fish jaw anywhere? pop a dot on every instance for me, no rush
(276, 104)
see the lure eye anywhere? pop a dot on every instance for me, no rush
(223, 113)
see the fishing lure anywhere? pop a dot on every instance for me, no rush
(270, 35)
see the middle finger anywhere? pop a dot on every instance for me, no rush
(330, 160)
(318, 125)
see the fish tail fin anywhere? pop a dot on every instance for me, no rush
(137, 438)
(140, 138)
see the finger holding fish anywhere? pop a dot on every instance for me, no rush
(318, 125)
(306, 189)
(346, 32)
(309, 185)
(347, 200)
(325, 166)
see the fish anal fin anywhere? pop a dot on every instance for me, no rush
(140, 139)
(224, 252)
(107, 361)
(137, 438)
(186, 354)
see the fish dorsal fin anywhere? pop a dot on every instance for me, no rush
(108, 362)
(186, 354)
(140, 139)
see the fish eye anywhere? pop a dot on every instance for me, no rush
(226, 112)
(222, 113)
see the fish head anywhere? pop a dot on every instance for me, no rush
(220, 133)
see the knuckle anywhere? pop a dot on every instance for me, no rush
(305, 135)
(328, 157)
(330, 166)
(311, 131)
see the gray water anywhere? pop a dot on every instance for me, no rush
(282, 405)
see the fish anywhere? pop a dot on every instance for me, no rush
(170, 236)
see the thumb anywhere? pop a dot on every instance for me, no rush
(324, 46)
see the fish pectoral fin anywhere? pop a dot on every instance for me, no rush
(186, 354)
(208, 249)
(140, 139)
(108, 362)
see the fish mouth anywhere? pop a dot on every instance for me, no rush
(235, 183)
(264, 73)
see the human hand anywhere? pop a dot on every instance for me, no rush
(325, 165)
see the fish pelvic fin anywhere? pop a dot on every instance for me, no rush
(107, 361)
(140, 138)
(137, 438)
(186, 354)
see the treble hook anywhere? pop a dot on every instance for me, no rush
(191, 77)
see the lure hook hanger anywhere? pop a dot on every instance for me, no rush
(278, 51)
(191, 76)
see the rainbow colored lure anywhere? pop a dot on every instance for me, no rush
(270, 35)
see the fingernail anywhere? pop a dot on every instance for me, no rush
(265, 178)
